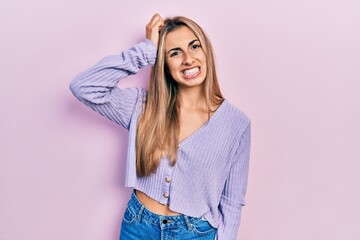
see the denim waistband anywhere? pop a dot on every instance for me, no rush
(142, 213)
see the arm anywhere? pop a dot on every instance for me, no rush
(233, 195)
(97, 86)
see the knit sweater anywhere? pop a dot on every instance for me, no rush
(211, 172)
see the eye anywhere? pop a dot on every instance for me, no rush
(196, 46)
(175, 53)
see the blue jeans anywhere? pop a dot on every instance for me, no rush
(139, 223)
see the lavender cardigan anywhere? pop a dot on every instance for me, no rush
(211, 172)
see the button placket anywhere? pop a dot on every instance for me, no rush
(166, 181)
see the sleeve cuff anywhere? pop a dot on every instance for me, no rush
(151, 51)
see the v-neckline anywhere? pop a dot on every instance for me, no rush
(203, 126)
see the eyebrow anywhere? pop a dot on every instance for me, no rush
(177, 48)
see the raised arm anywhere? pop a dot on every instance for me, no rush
(97, 86)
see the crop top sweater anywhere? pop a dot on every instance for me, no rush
(210, 175)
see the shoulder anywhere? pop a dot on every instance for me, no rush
(239, 119)
(241, 128)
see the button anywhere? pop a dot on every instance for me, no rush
(166, 195)
(164, 221)
(167, 179)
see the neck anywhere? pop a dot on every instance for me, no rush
(191, 97)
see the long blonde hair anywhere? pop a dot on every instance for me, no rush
(159, 127)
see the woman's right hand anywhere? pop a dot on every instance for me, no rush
(153, 28)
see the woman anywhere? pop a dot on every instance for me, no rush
(189, 148)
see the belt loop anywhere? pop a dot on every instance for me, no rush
(187, 221)
(139, 213)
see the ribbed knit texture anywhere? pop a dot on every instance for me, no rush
(211, 172)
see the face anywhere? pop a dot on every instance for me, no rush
(185, 58)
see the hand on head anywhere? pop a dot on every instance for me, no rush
(153, 28)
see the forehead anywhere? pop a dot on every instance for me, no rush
(180, 37)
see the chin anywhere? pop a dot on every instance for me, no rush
(187, 83)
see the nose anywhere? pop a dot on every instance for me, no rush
(188, 58)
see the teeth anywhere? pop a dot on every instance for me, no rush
(191, 71)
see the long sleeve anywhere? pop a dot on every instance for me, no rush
(233, 195)
(97, 86)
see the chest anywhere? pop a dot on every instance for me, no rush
(190, 122)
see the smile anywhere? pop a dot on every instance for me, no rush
(190, 73)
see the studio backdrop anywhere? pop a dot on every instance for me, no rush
(292, 65)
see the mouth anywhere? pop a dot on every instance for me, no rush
(191, 73)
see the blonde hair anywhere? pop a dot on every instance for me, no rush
(158, 127)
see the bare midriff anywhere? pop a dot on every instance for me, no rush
(153, 205)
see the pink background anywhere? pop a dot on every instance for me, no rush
(292, 66)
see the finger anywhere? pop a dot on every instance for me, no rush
(154, 19)
(158, 24)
